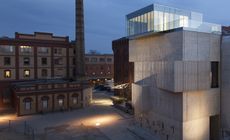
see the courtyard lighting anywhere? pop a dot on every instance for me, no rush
(98, 124)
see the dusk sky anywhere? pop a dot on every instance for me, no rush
(104, 19)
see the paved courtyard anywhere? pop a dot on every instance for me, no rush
(100, 121)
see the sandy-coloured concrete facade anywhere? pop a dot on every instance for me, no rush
(176, 83)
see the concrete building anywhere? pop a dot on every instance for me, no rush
(99, 67)
(176, 56)
(225, 83)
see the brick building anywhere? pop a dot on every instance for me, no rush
(123, 69)
(32, 58)
(99, 67)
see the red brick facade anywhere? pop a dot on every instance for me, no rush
(124, 70)
(99, 66)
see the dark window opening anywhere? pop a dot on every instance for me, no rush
(26, 61)
(44, 61)
(44, 73)
(7, 61)
(215, 74)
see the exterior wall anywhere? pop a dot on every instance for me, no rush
(83, 100)
(225, 86)
(172, 83)
(35, 41)
(87, 97)
(99, 69)
(123, 69)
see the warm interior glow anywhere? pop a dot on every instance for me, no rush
(8, 74)
(25, 47)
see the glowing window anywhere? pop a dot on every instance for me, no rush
(7, 73)
(60, 102)
(74, 100)
(26, 73)
(25, 49)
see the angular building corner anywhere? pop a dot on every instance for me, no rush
(178, 79)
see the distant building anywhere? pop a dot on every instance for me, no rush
(176, 88)
(123, 69)
(99, 67)
(37, 71)
(33, 61)
(226, 30)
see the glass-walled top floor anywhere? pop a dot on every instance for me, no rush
(156, 18)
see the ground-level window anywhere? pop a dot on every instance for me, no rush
(44, 104)
(75, 98)
(60, 102)
(60, 99)
(27, 103)
(45, 100)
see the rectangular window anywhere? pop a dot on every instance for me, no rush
(58, 61)
(26, 73)
(7, 73)
(6, 49)
(7, 61)
(26, 49)
(58, 51)
(27, 105)
(60, 102)
(102, 59)
(214, 74)
(75, 100)
(44, 104)
(44, 61)
(94, 59)
(109, 59)
(43, 50)
(74, 61)
(26, 61)
(44, 73)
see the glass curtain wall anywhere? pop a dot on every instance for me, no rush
(160, 19)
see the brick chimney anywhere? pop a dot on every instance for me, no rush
(80, 40)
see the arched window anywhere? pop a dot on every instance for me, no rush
(27, 103)
(75, 98)
(60, 99)
(44, 101)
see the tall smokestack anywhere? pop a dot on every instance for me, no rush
(80, 41)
